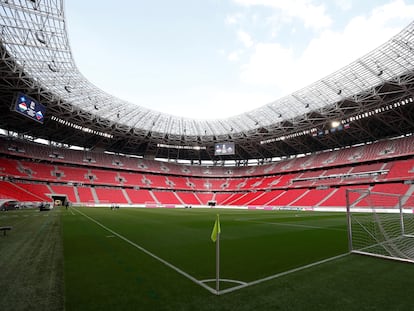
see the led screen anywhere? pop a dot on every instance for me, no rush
(224, 149)
(29, 107)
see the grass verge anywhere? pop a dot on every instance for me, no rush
(31, 261)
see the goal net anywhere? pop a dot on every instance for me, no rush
(380, 224)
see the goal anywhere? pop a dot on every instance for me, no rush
(380, 224)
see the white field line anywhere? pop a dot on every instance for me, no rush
(185, 274)
(289, 224)
(275, 215)
(200, 283)
(229, 290)
(224, 280)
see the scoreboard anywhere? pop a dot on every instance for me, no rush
(30, 108)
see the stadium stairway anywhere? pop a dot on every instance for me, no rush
(292, 203)
(408, 195)
(19, 193)
(327, 197)
(126, 196)
(154, 197)
(178, 198)
(94, 195)
(75, 190)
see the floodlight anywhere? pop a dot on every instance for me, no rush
(335, 124)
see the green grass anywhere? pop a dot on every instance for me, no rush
(104, 272)
(31, 261)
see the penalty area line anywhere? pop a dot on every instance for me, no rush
(224, 280)
(185, 274)
(275, 276)
(290, 224)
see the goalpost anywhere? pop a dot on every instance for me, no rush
(380, 224)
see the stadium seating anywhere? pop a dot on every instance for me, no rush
(222, 198)
(289, 197)
(157, 181)
(105, 177)
(409, 202)
(244, 199)
(189, 198)
(17, 192)
(133, 179)
(388, 149)
(313, 197)
(141, 196)
(269, 182)
(41, 191)
(214, 184)
(265, 198)
(67, 191)
(401, 170)
(167, 198)
(93, 178)
(338, 196)
(198, 183)
(395, 188)
(71, 174)
(180, 183)
(205, 197)
(85, 195)
(251, 183)
(12, 168)
(384, 201)
(110, 195)
(38, 171)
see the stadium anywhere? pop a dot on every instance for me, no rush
(129, 195)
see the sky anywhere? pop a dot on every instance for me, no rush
(213, 59)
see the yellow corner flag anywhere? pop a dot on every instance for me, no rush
(216, 229)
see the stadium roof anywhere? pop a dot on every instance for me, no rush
(36, 59)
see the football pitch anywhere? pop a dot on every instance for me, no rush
(164, 259)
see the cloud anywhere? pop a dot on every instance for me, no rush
(245, 38)
(312, 15)
(216, 102)
(233, 19)
(271, 64)
(235, 56)
(344, 5)
(227, 103)
(268, 65)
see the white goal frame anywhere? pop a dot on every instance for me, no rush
(380, 224)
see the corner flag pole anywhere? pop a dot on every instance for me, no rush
(218, 262)
(215, 237)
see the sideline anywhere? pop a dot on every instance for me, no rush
(201, 283)
(188, 276)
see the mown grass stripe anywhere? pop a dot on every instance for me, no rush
(185, 274)
(229, 290)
